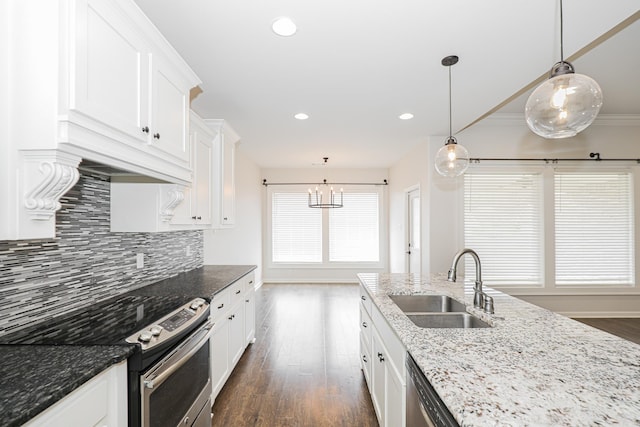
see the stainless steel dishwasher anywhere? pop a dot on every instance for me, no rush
(424, 406)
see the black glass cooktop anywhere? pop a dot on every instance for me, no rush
(105, 323)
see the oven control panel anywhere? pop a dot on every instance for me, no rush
(172, 324)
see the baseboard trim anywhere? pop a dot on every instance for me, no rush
(601, 314)
(309, 281)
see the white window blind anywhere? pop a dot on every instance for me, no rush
(354, 229)
(296, 229)
(594, 228)
(503, 224)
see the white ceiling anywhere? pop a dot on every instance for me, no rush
(355, 65)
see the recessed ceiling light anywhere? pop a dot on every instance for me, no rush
(301, 116)
(405, 116)
(284, 26)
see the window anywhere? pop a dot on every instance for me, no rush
(594, 228)
(296, 229)
(346, 235)
(589, 220)
(354, 229)
(502, 222)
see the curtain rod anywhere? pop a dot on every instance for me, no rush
(594, 157)
(324, 182)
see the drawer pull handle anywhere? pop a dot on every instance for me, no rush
(238, 291)
(364, 358)
(220, 306)
(145, 129)
(156, 136)
(364, 324)
(380, 357)
(363, 297)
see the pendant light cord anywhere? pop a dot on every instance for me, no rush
(561, 34)
(450, 134)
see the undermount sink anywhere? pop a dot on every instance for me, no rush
(427, 304)
(436, 311)
(447, 320)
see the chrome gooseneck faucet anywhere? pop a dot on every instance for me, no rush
(480, 299)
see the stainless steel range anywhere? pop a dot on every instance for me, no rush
(169, 382)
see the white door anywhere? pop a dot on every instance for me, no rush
(413, 231)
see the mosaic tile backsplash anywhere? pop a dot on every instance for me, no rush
(86, 263)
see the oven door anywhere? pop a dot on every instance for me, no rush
(176, 391)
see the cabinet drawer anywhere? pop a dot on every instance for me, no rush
(220, 304)
(236, 291)
(365, 300)
(250, 281)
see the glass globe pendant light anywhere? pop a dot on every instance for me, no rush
(565, 104)
(452, 159)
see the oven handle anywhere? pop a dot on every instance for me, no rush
(189, 350)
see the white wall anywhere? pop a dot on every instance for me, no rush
(504, 136)
(242, 243)
(313, 175)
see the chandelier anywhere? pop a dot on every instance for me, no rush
(317, 200)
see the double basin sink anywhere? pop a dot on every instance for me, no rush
(436, 311)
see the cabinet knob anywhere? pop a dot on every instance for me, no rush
(156, 135)
(364, 324)
(363, 297)
(380, 357)
(230, 317)
(220, 306)
(193, 217)
(364, 358)
(238, 291)
(225, 218)
(145, 129)
(199, 217)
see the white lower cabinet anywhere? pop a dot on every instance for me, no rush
(219, 357)
(232, 315)
(102, 401)
(382, 358)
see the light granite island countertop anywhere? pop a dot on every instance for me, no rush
(531, 368)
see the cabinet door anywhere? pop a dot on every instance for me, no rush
(236, 333)
(250, 315)
(196, 208)
(228, 181)
(110, 78)
(99, 402)
(395, 398)
(219, 356)
(202, 161)
(170, 113)
(378, 377)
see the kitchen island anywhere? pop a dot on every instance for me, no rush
(532, 367)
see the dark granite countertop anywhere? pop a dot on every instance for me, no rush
(33, 377)
(203, 282)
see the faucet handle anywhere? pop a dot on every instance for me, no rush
(488, 304)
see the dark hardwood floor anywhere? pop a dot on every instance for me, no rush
(627, 328)
(304, 368)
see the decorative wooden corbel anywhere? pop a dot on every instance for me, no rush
(175, 196)
(47, 175)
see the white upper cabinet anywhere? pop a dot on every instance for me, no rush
(224, 188)
(197, 207)
(150, 207)
(86, 79)
(127, 78)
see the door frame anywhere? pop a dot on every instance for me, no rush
(407, 224)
